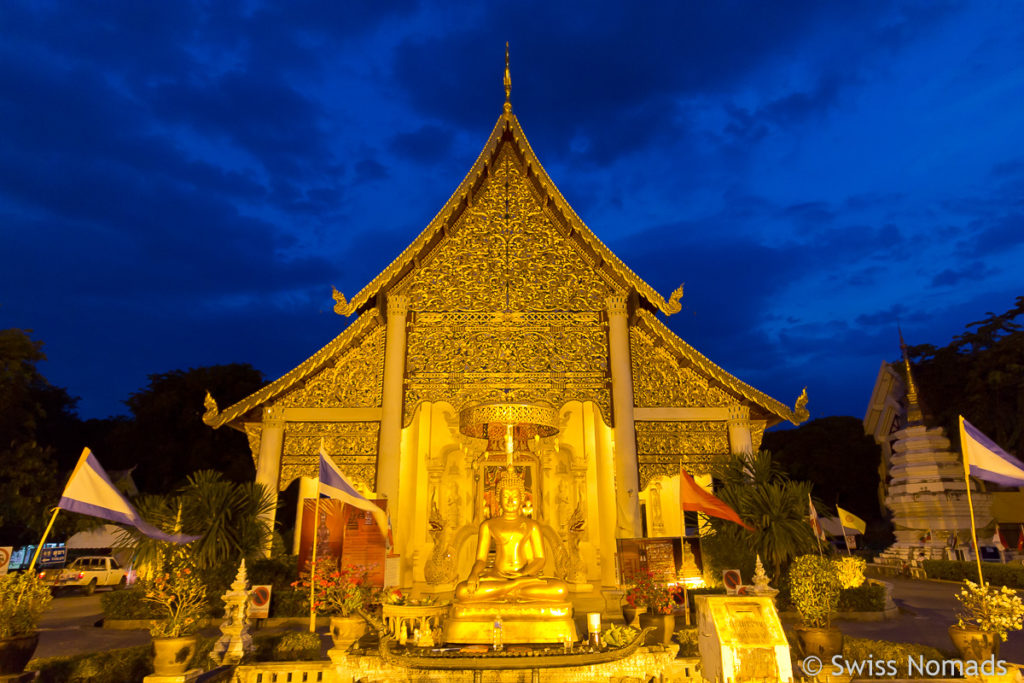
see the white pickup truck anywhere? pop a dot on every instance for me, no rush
(87, 573)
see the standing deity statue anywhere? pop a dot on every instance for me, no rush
(562, 503)
(654, 500)
(454, 507)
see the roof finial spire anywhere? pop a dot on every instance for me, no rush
(914, 413)
(508, 83)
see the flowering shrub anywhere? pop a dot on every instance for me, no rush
(177, 593)
(23, 599)
(849, 571)
(646, 592)
(814, 590)
(989, 609)
(338, 591)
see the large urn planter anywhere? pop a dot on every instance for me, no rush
(974, 644)
(629, 614)
(824, 643)
(347, 630)
(664, 626)
(16, 651)
(171, 656)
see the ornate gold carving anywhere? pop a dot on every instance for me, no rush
(756, 434)
(673, 306)
(341, 305)
(800, 411)
(253, 431)
(659, 379)
(498, 357)
(211, 408)
(354, 380)
(440, 566)
(342, 344)
(339, 438)
(360, 470)
(669, 467)
(473, 420)
(672, 438)
(679, 349)
(506, 253)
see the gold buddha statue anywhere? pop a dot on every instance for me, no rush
(519, 555)
(532, 608)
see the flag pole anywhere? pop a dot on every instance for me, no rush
(970, 502)
(53, 518)
(312, 564)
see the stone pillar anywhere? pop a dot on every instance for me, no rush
(739, 430)
(307, 489)
(390, 444)
(268, 464)
(627, 478)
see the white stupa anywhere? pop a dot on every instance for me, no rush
(927, 492)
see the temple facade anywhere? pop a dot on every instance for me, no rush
(507, 297)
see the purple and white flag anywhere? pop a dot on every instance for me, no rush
(90, 492)
(987, 460)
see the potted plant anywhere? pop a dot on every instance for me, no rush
(23, 599)
(814, 590)
(340, 592)
(179, 598)
(656, 600)
(986, 615)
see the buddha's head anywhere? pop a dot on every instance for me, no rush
(511, 491)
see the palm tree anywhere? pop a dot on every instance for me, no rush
(766, 499)
(228, 517)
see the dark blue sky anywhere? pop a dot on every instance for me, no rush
(181, 183)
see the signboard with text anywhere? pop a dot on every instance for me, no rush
(661, 556)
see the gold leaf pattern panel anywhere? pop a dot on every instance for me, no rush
(663, 446)
(660, 380)
(340, 438)
(551, 357)
(358, 470)
(506, 254)
(354, 380)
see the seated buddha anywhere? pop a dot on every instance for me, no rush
(534, 608)
(518, 559)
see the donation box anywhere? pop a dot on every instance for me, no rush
(741, 639)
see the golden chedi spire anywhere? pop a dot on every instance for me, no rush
(914, 414)
(508, 83)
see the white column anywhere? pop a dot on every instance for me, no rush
(627, 479)
(390, 443)
(307, 490)
(604, 460)
(268, 464)
(739, 430)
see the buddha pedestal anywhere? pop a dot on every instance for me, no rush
(521, 622)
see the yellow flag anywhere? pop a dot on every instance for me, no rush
(850, 520)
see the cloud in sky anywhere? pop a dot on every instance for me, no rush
(182, 183)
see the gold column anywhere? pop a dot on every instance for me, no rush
(268, 464)
(593, 427)
(307, 489)
(390, 444)
(739, 430)
(627, 479)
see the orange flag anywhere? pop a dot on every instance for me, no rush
(693, 498)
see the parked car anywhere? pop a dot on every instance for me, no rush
(87, 573)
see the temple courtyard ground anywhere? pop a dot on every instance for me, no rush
(926, 610)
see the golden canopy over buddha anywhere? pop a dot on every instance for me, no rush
(519, 555)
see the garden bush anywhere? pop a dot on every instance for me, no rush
(1011, 576)
(126, 604)
(291, 646)
(868, 597)
(863, 649)
(114, 666)
(280, 572)
(289, 602)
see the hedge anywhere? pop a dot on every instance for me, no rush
(879, 651)
(126, 604)
(868, 597)
(995, 574)
(134, 663)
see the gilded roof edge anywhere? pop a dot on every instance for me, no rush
(464, 190)
(362, 324)
(796, 415)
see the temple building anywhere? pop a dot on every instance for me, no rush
(507, 305)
